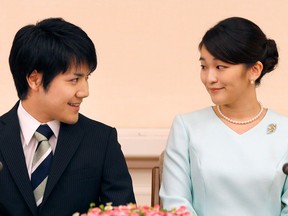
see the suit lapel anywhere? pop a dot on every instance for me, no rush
(12, 152)
(69, 138)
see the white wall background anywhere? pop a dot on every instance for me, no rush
(148, 67)
(147, 50)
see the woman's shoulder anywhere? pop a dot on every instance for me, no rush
(274, 116)
(203, 113)
(197, 118)
(271, 114)
(275, 121)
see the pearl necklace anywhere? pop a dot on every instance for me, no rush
(241, 122)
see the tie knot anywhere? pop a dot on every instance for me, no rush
(45, 131)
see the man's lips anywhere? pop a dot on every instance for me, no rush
(74, 104)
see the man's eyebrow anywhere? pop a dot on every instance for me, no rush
(81, 74)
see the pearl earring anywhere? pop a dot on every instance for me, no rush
(252, 82)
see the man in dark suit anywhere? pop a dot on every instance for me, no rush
(50, 63)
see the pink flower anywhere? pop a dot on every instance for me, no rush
(132, 210)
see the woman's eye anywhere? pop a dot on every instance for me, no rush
(202, 67)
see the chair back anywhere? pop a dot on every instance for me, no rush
(156, 181)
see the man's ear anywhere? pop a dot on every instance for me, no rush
(34, 80)
(255, 71)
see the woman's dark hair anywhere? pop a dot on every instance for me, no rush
(50, 47)
(237, 40)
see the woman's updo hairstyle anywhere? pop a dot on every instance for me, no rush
(237, 40)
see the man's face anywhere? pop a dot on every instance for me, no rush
(61, 101)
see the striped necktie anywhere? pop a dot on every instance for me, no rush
(41, 162)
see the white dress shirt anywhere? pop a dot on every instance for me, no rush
(28, 126)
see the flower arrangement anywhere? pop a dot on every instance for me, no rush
(132, 210)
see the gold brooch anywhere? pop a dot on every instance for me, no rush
(271, 128)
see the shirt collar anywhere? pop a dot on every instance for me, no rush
(29, 124)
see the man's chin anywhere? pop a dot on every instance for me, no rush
(71, 120)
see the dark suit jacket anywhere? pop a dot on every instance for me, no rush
(88, 166)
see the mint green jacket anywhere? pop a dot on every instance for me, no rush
(214, 171)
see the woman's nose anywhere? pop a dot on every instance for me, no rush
(212, 76)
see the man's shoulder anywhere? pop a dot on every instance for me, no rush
(10, 115)
(85, 121)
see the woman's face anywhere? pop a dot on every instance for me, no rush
(226, 83)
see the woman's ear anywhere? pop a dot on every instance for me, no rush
(34, 80)
(255, 71)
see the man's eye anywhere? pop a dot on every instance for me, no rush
(220, 67)
(75, 80)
